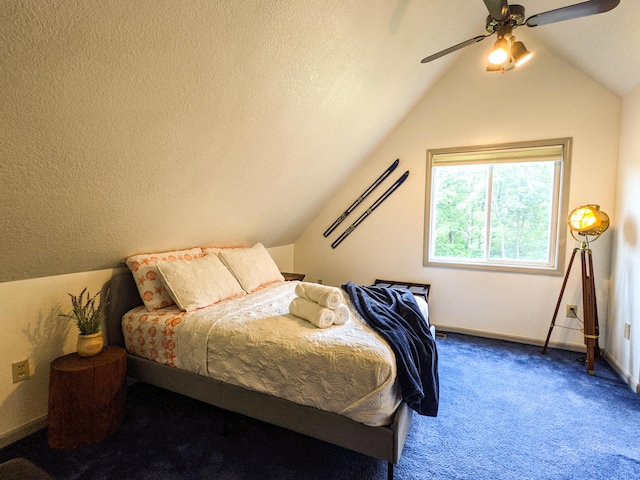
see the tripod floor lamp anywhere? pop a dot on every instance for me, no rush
(584, 222)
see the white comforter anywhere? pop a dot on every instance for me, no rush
(254, 342)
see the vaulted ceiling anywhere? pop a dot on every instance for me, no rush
(132, 126)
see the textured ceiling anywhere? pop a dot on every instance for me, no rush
(134, 125)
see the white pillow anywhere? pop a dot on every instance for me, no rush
(253, 267)
(145, 271)
(217, 250)
(198, 282)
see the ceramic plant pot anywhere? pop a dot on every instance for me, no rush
(90, 345)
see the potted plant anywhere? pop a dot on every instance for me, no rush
(88, 318)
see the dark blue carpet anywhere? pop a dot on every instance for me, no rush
(506, 412)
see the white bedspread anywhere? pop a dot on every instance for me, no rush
(254, 342)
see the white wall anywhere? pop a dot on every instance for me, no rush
(546, 99)
(624, 300)
(32, 329)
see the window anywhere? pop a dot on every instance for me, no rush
(499, 207)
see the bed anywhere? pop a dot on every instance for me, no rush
(380, 435)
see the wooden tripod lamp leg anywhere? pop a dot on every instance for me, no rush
(590, 308)
(555, 313)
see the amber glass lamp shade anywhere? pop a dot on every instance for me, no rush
(520, 53)
(499, 54)
(588, 220)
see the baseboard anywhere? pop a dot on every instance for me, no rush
(23, 431)
(634, 383)
(509, 338)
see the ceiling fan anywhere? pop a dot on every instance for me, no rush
(503, 18)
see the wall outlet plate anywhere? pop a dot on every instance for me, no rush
(572, 311)
(20, 371)
(627, 330)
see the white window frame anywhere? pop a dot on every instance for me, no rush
(559, 149)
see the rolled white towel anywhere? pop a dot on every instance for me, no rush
(319, 316)
(342, 314)
(323, 295)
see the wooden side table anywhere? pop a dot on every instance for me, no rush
(86, 397)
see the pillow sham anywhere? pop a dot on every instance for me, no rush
(199, 282)
(252, 267)
(145, 272)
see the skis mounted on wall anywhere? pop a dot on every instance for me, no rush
(362, 197)
(375, 204)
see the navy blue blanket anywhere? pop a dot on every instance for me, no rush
(395, 315)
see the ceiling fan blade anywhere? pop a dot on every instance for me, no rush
(449, 50)
(498, 9)
(584, 9)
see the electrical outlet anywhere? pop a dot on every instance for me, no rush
(627, 330)
(20, 371)
(320, 281)
(572, 311)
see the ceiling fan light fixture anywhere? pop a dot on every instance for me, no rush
(499, 53)
(520, 53)
(504, 18)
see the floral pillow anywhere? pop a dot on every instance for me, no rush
(145, 272)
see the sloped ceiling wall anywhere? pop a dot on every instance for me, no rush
(132, 126)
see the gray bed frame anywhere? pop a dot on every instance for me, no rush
(385, 443)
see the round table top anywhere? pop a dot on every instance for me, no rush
(73, 361)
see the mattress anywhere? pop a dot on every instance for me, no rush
(254, 342)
